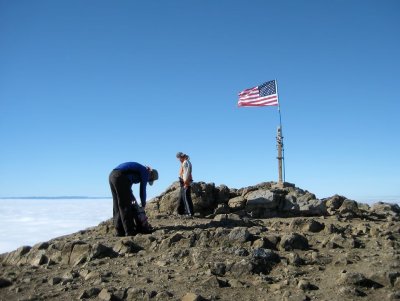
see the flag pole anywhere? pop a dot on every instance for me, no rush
(279, 142)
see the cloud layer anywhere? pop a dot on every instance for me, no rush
(30, 221)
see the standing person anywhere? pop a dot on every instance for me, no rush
(121, 180)
(185, 179)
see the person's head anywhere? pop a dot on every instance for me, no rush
(181, 156)
(153, 175)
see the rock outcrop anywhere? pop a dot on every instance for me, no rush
(267, 200)
(256, 243)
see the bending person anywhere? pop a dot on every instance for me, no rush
(121, 180)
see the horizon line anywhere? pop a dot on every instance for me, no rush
(55, 197)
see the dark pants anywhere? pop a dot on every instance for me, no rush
(185, 201)
(122, 203)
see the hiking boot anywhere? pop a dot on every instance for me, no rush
(146, 231)
(119, 234)
(131, 234)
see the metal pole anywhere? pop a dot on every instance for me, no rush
(279, 145)
(279, 139)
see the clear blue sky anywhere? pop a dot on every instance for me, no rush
(86, 85)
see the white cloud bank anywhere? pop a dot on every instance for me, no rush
(30, 221)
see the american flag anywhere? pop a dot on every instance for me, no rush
(262, 95)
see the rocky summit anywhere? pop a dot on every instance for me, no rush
(263, 242)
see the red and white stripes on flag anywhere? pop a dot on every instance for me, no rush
(262, 95)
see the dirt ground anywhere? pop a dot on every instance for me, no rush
(224, 258)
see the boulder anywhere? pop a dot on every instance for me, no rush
(304, 196)
(89, 293)
(349, 208)
(358, 280)
(385, 210)
(314, 226)
(204, 197)
(306, 225)
(126, 246)
(223, 194)
(169, 203)
(242, 268)
(333, 203)
(39, 259)
(263, 260)
(239, 234)
(218, 269)
(237, 203)
(312, 207)
(294, 241)
(192, 297)
(18, 256)
(222, 209)
(290, 204)
(264, 199)
(5, 282)
(80, 253)
(262, 203)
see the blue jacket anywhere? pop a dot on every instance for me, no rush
(136, 173)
